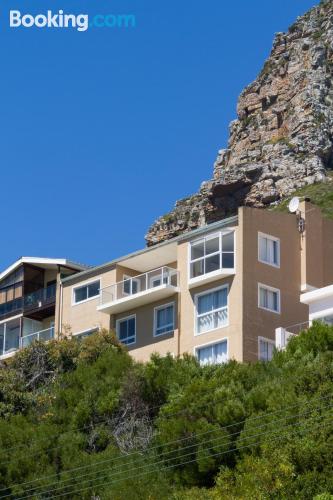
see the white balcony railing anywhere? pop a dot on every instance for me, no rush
(283, 335)
(44, 335)
(138, 290)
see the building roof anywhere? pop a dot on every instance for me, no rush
(45, 263)
(158, 254)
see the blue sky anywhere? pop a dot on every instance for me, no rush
(103, 130)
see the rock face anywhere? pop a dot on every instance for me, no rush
(283, 137)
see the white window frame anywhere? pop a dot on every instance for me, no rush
(208, 344)
(82, 285)
(132, 278)
(272, 238)
(220, 252)
(206, 292)
(270, 289)
(163, 306)
(120, 320)
(264, 339)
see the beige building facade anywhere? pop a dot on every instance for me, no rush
(218, 292)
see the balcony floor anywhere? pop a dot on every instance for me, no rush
(138, 299)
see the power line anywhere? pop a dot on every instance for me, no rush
(167, 415)
(168, 452)
(106, 420)
(165, 468)
(182, 456)
(258, 417)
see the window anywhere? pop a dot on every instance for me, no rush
(126, 330)
(212, 253)
(213, 354)
(211, 310)
(269, 298)
(164, 319)
(269, 250)
(266, 349)
(86, 292)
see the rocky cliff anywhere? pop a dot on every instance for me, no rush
(283, 137)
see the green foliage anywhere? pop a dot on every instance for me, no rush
(320, 194)
(94, 423)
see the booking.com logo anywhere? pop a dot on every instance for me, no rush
(79, 22)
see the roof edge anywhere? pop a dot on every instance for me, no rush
(182, 237)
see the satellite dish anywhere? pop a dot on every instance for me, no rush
(293, 205)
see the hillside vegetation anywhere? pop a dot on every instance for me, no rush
(320, 194)
(83, 420)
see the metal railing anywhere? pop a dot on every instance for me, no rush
(141, 283)
(40, 298)
(44, 335)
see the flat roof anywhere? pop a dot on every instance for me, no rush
(172, 242)
(44, 262)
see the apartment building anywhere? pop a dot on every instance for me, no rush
(28, 301)
(218, 292)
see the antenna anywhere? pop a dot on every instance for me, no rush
(293, 205)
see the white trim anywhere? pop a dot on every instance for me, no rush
(157, 308)
(324, 313)
(82, 285)
(271, 289)
(219, 271)
(206, 292)
(264, 339)
(125, 318)
(272, 238)
(211, 343)
(41, 261)
(317, 294)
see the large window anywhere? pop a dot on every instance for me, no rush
(269, 250)
(269, 298)
(126, 330)
(212, 253)
(266, 349)
(211, 310)
(86, 292)
(164, 319)
(213, 354)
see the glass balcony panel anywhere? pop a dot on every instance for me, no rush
(228, 260)
(197, 268)
(12, 337)
(212, 263)
(212, 245)
(228, 242)
(197, 249)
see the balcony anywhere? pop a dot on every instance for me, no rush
(40, 302)
(43, 335)
(139, 290)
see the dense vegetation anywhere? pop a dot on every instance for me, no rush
(83, 420)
